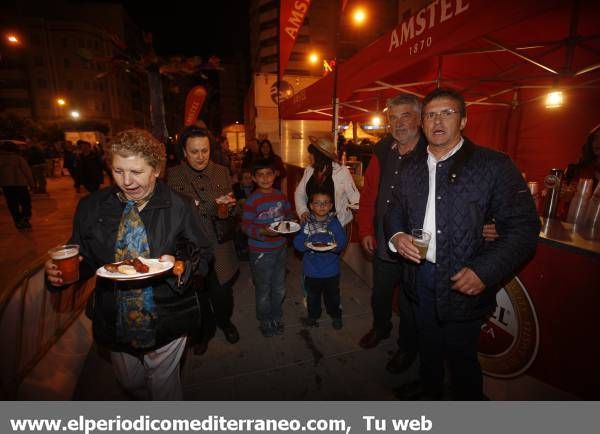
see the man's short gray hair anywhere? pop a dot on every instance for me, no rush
(406, 98)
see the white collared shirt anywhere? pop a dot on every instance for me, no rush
(429, 223)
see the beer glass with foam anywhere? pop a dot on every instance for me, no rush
(66, 258)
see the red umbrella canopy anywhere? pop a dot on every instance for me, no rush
(498, 54)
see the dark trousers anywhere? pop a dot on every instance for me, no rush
(386, 276)
(18, 202)
(216, 304)
(329, 289)
(221, 299)
(454, 341)
(39, 177)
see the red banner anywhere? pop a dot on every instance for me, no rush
(291, 18)
(193, 104)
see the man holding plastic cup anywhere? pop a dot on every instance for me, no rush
(455, 188)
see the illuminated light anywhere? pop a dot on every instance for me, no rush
(13, 39)
(554, 99)
(359, 16)
(61, 101)
(75, 114)
(376, 120)
(313, 58)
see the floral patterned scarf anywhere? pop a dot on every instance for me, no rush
(136, 310)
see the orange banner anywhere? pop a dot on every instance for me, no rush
(291, 18)
(193, 104)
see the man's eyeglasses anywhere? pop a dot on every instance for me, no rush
(444, 114)
(321, 203)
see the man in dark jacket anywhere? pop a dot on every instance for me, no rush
(404, 115)
(456, 188)
(90, 166)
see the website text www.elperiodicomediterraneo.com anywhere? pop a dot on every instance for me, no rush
(216, 424)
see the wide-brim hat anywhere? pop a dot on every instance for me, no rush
(324, 146)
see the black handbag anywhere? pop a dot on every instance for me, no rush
(224, 229)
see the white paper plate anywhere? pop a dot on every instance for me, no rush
(280, 227)
(321, 248)
(161, 267)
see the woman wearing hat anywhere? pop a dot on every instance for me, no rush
(325, 173)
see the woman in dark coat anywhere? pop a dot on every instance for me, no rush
(143, 322)
(205, 181)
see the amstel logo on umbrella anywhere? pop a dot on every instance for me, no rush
(509, 340)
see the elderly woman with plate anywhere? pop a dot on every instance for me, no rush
(143, 321)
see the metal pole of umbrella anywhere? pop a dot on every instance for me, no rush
(335, 100)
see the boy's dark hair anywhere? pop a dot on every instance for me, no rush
(320, 191)
(262, 163)
(444, 92)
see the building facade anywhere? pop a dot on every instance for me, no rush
(69, 54)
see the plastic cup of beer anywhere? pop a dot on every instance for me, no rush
(66, 258)
(222, 208)
(421, 240)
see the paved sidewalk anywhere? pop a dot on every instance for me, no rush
(303, 364)
(51, 221)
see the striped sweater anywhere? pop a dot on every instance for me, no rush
(261, 209)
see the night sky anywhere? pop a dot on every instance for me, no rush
(202, 27)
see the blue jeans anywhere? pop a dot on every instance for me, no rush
(268, 276)
(454, 341)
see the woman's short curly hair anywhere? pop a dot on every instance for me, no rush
(140, 142)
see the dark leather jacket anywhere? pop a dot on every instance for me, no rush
(172, 225)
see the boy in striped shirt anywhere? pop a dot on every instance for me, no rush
(267, 248)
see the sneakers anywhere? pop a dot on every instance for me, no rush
(337, 323)
(266, 328)
(310, 322)
(278, 327)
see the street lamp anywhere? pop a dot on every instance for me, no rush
(75, 114)
(61, 102)
(359, 16)
(313, 58)
(13, 39)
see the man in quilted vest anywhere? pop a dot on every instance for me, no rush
(404, 116)
(456, 188)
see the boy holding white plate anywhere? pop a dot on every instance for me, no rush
(322, 239)
(267, 247)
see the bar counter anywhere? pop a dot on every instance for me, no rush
(564, 236)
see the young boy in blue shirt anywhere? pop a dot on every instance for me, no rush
(322, 239)
(268, 249)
